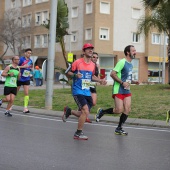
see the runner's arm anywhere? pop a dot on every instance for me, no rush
(101, 81)
(135, 82)
(19, 75)
(114, 76)
(24, 66)
(5, 72)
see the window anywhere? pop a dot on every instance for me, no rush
(154, 72)
(29, 19)
(41, 41)
(136, 13)
(136, 37)
(27, 2)
(45, 17)
(88, 34)
(41, 17)
(135, 71)
(104, 34)
(74, 36)
(37, 41)
(40, 1)
(88, 7)
(38, 18)
(44, 40)
(26, 42)
(26, 20)
(107, 63)
(13, 3)
(74, 12)
(104, 8)
(155, 38)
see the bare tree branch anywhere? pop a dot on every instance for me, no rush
(12, 31)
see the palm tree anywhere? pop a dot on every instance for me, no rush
(157, 16)
(153, 3)
(62, 26)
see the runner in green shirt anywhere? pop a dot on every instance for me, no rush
(122, 76)
(12, 74)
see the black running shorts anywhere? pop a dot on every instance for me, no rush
(83, 100)
(20, 83)
(10, 90)
(93, 89)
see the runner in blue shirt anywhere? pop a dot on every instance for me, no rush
(25, 65)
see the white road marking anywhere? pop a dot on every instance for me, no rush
(96, 124)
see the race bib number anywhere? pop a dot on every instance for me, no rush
(26, 73)
(13, 81)
(128, 81)
(85, 84)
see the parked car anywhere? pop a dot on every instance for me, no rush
(2, 79)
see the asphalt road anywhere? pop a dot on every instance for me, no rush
(33, 142)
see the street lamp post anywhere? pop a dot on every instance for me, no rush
(51, 55)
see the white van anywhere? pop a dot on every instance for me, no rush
(2, 79)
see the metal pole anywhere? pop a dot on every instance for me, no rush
(51, 55)
(70, 19)
(164, 58)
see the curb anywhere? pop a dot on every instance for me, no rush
(106, 119)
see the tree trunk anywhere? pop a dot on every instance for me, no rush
(168, 54)
(63, 50)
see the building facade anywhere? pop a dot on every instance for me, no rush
(110, 25)
(2, 4)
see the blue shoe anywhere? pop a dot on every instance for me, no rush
(99, 114)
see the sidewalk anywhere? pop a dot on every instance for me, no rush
(109, 119)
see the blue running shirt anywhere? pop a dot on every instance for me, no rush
(81, 86)
(25, 72)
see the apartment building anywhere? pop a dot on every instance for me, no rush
(1, 15)
(109, 25)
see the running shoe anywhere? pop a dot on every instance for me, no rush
(88, 120)
(7, 113)
(66, 114)
(80, 136)
(26, 111)
(167, 116)
(120, 131)
(99, 114)
(0, 102)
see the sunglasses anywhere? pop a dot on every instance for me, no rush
(95, 57)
